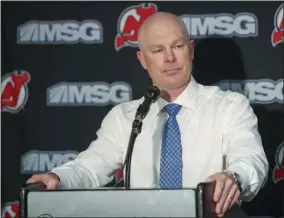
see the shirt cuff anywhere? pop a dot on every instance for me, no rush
(243, 176)
(63, 176)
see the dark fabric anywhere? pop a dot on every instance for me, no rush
(81, 62)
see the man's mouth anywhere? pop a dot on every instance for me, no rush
(172, 71)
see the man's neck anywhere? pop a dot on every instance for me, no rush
(171, 95)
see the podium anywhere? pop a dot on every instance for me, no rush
(35, 201)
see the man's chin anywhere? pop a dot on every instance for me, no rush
(176, 84)
(172, 86)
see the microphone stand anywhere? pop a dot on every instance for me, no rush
(136, 130)
(150, 97)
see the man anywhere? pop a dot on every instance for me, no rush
(192, 134)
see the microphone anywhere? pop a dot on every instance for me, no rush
(150, 96)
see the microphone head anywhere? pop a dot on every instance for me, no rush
(153, 93)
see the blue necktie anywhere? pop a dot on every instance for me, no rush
(171, 152)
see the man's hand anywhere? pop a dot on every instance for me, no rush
(226, 192)
(50, 180)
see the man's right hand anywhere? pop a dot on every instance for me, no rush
(50, 180)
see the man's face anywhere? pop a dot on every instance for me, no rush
(167, 55)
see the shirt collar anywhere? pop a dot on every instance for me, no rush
(186, 99)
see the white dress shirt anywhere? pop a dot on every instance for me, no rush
(218, 131)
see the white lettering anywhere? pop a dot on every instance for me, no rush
(52, 33)
(120, 93)
(49, 161)
(78, 94)
(257, 91)
(44, 161)
(242, 25)
(60, 32)
(249, 25)
(98, 93)
(69, 32)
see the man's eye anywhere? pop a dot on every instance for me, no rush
(179, 46)
(158, 50)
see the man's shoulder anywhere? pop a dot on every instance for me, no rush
(214, 92)
(129, 105)
(128, 108)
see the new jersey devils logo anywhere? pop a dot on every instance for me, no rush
(129, 23)
(14, 91)
(278, 172)
(278, 32)
(10, 210)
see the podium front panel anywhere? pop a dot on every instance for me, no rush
(111, 203)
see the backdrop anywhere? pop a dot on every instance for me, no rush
(64, 66)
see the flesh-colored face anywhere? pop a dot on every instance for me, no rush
(166, 53)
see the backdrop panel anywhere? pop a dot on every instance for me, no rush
(65, 65)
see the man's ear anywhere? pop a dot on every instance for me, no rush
(140, 56)
(191, 50)
(192, 43)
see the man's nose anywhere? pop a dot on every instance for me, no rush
(170, 56)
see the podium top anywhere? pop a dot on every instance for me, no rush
(117, 202)
(110, 203)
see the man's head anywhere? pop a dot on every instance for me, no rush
(166, 51)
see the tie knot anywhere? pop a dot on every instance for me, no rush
(172, 109)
